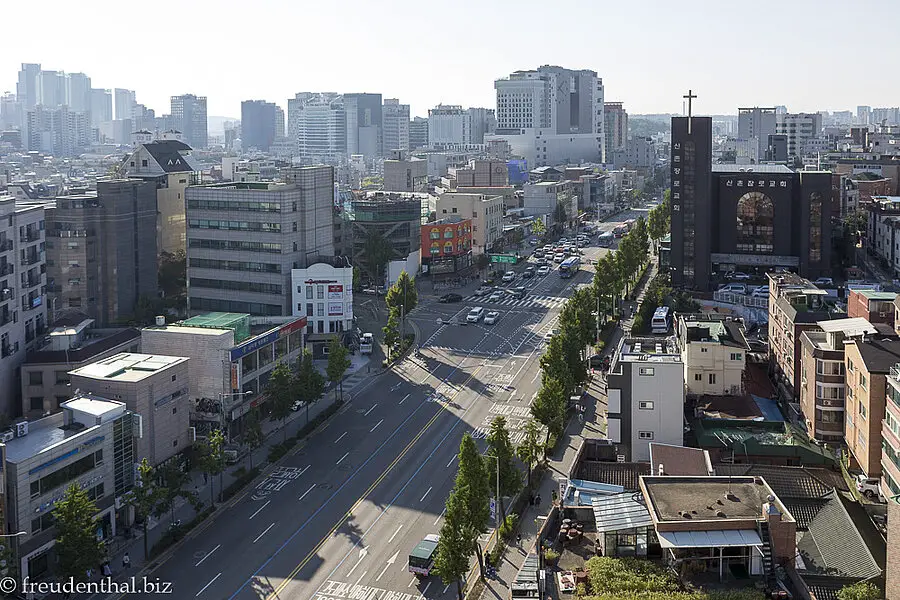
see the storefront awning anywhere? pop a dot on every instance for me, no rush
(709, 539)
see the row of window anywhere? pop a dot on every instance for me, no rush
(239, 205)
(236, 286)
(235, 265)
(234, 225)
(66, 474)
(46, 520)
(239, 246)
(218, 305)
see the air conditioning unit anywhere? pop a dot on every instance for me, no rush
(21, 428)
(7, 436)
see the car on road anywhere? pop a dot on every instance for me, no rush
(559, 257)
(484, 290)
(551, 334)
(296, 405)
(495, 297)
(734, 288)
(518, 292)
(450, 298)
(538, 254)
(760, 292)
(870, 487)
(475, 314)
(509, 276)
(528, 273)
(825, 281)
(491, 317)
(543, 270)
(737, 276)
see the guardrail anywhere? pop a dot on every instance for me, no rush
(745, 300)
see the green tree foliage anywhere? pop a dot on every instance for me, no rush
(253, 433)
(606, 278)
(77, 545)
(308, 383)
(174, 483)
(338, 363)
(402, 296)
(861, 590)
(392, 331)
(578, 316)
(378, 252)
(530, 450)
(659, 219)
(145, 496)
(455, 545)
(500, 447)
(473, 488)
(554, 365)
(482, 261)
(281, 390)
(212, 458)
(573, 355)
(549, 407)
(538, 227)
(357, 279)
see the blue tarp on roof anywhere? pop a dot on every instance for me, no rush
(769, 408)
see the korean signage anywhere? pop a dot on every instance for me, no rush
(503, 258)
(335, 292)
(335, 309)
(258, 342)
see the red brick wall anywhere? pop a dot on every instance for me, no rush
(783, 535)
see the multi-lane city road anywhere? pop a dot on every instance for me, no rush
(339, 516)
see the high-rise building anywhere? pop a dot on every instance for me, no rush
(756, 124)
(615, 128)
(56, 130)
(189, 116)
(295, 106)
(552, 115)
(320, 125)
(244, 264)
(364, 124)
(886, 116)
(799, 129)
(101, 106)
(23, 311)
(395, 118)
(482, 121)
(102, 246)
(863, 114)
(78, 92)
(28, 88)
(448, 125)
(279, 122)
(53, 89)
(258, 124)
(125, 101)
(418, 133)
(11, 114)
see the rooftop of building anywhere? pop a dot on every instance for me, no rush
(769, 169)
(760, 438)
(789, 279)
(722, 331)
(876, 295)
(849, 327)
(668, 459)
(447, 220)
(168, 154)
(129, 367)
(655, 350)
(878, 355)
(48, 432)
(723, 499)
(813, 310)
(96, 342)
(625, 475)
(745, 407)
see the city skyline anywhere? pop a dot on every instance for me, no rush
(635, 61)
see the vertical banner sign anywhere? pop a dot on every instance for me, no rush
(493, 510)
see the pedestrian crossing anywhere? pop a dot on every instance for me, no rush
(536, 301)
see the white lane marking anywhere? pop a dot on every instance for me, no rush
(210, 553)
(445, 589)
(376, 425)
(425, 496)
(404, 398)
(341, 459)
(360, 577)
(440, 515)
(340, 438)
(390, 561)
(426, 589)
(395, 534)
(452, 460)
(366, 414)
(396, 386)
(362, 555)
(306, 492)
(414, 579)
(264, 533)
(259, 509)
(207, 585)
(303, 471)
(536, 375)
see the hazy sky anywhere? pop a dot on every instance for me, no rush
(805, 54)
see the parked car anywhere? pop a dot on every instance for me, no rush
(543, 270)
(495, 297)
(550, 334)
(475, 314)
(296, 405)
(491, 317)
(509, 276)
(824, 281)
(734, 288)
(737, 276)
(761, 292)
(870, 487)
(450, 298)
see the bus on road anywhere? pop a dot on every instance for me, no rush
(606, 239)
(569, 266)
(661, 321)
(421, 559)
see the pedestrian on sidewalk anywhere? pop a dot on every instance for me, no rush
(126, 561)
(107, 570)
(205, 478)
(538, 500)
(519, 539)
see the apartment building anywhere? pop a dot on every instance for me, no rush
(154, 387)
(795, 306)
(243, 239)
(646, 397)
(485, 211)
(799, 129)
(189, 117)
(714, 352)
(405, 175)
(822, 375)
(872, 305)
(868, 366)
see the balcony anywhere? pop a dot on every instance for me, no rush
(30, 282)
(33, 304)
(6, 317)
(6, 350)
(30, 260)
(6, 269)
(30, 235)
(5, 294)
(6, 245)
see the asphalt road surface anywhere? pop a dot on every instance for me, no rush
(338, 518)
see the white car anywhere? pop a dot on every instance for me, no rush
(559, 257)
(509, 276)
(483, 290)
(543, 270)
(760, 292)
(870, 487)
(475, 314)
(495, 297)
(296, 405)
(550, 334)
(491, 317)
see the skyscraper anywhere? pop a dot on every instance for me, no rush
(418, 133)
(691, 208)
(395, 117)
(364, 123)
(101, 106)
(52, 89)
(279, 122)
(320, 125)
(616, 128)
(258, 124)
(757, 124)
(189, 116)
(78, 92)
(28, 89)
(125, 100)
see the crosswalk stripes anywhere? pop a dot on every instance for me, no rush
(526, 302)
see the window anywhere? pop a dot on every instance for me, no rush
(829, 367)
(62, 377)
(36, 378)
(645, 435)
(143, 163)
(712, 378)
(646, 371)
(173, 377)
(309, 309)
(863, 382)
(862, 410)
(735, 356)
(645, 405)
(174, 442)
(320, 292)
(320, 310)
(704, 350)
(755, 223)
(36, 402)
(294, 226)
(698, 376)
(174, 410)
(309, 292)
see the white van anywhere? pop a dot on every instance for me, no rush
(475, 314)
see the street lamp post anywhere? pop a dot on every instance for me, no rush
(222, 396)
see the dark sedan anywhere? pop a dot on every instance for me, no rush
(450, 298)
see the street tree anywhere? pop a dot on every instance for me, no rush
(473, 487)
(145, 496)
(500, 447)
(281, 390)
(402, 296)
(549, 407)
(174, 483)
(572, 355)
(578, 314)
(338, 363)
(530, 450)
(538, 227)
(309, 383)
(253, 433)
(553, 364)
(212, 459)
(605, 277)
(392, 331)
(455, 544)
(78, 547)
